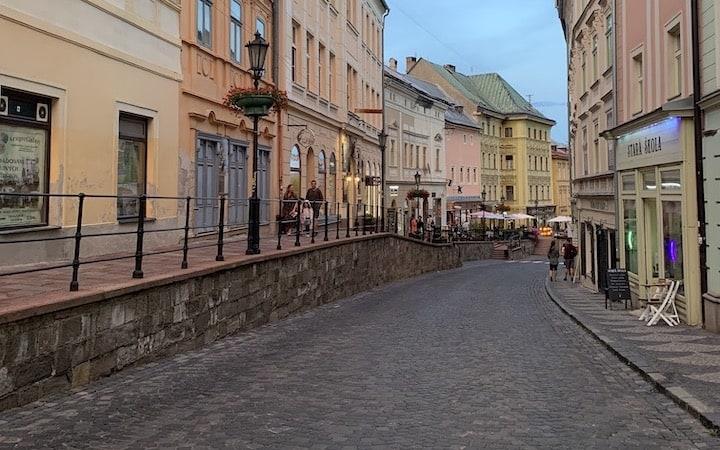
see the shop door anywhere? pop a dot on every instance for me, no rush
(591, 247)
(207, 182)
(237, 185)
(583, 248)
(613, 249)
(602, 259)
(652, 250)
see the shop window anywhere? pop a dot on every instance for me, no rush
(672, 239)
(648, 180)
(204, 22)
(132, 150)
(24, 153)
(628, 182)
(670, 180)
(630, 228)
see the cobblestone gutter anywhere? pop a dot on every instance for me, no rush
(65, 348)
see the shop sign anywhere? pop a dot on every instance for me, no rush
(653, 145)
(22, 170)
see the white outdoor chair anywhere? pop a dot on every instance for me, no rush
(667, 310)
(656, 295)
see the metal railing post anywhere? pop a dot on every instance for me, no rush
(184, 264)
(377, 218)
(357, 221)
(221, 230)
(312, 222)
(327, 222)
(364, 217)
(347, 211)
(74, 285)
(280, 225)
(297, 223)
(396, 221)
(339, 220)
(138, 272)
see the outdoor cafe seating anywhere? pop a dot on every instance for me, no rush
(660, 303)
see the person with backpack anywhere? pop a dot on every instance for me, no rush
(569, 254)
(554, 258)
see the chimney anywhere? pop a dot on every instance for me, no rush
(410, 62)
(393, 64)
(449, 68)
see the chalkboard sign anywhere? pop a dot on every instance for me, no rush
(618, 286)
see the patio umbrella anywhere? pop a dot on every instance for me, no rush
(486, 215)
(520, 216)
(560, 219)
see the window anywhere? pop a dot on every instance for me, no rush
(308, 60)
(585, 151)
(452, 173)
(672, 239)
(474, 175)
(132, 147)
(508, 132)
(609, 53)
(392, 152)
(332, 168)
(596, 147)
(322, 172)
(584, 72)
(674, 57)
(637, 95)
(464, 139)
(649, 182)
(630, 227)
(628, 182)
(534, 133)
(260, 27)
(295, 69)
(24, 151)
(670, 180)
(321, 71)
(235, 30)
(331, 78)
(594, 58)
(204, 22)
(437, 159)
(424, 159)
(493, 130)
(417, 156)
(510, 193)
(509, 162)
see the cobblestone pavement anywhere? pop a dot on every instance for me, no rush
(477, 357)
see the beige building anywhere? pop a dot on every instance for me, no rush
(330, 64)
(515, 137)
(589, 32)
(216, 154)
(88, 103)
(561, 179)
(415, 126)
(655, 158)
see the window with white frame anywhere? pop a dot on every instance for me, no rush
(204, 22)
(637, 94)
(236, 30)
(674, 62)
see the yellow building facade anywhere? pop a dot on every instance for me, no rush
(93, 110)
(561, 179)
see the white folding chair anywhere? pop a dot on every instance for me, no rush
(667, 310)
(656, 295)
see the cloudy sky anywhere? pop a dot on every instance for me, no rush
(520, 39)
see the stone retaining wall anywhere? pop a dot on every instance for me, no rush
(474, 250)
(55, 351)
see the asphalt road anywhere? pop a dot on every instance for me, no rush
(476, 357)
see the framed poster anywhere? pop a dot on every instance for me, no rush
(23, 169)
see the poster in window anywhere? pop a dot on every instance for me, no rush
(22, 170)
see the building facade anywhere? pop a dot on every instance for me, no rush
(709, 14)
(515, 137)
(655, 158)
(111, 129)
(590, 36)
(216, 155)
(561, 179)
(330, 64)
(464, 166)
(416, 147)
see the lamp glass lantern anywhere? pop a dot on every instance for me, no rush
(417, 180)
(257, 50)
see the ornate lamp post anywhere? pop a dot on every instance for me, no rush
(482, 208)
(382, 139)
(537, 221)
(257, 50)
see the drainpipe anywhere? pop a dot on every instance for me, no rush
(276, 6)
(383, 147)
(616, 177)
(697, 122)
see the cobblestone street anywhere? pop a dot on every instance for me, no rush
(476, 357)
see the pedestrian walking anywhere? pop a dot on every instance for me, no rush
(315, 196)
(554, 259)
(413, 226)
(569, 254)
(307, 216)
(289, 209)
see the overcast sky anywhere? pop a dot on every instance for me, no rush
(520, 39)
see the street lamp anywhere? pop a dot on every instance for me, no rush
(537, 221)
(382, 140)
(257, 50)
(417, 181)
(482, 208)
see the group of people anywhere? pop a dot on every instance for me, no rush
(309, 208)
(568, 252)
(418, 228)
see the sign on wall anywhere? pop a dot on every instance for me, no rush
(653, 145)
(22, 170)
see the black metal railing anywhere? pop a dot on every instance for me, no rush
(295, 218)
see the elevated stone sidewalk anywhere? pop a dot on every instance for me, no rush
(682, 362)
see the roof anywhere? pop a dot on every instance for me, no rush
(489, 91)
(429, 89)
(452, 115)
(560, 154)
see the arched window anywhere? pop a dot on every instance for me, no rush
(322, 169)
(295, 167)
(332, 169)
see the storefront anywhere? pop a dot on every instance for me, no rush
(657, 207)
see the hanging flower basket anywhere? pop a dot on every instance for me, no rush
(255, 102)
(418, 193)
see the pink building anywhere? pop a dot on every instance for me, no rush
(654, 155)
(462, 160)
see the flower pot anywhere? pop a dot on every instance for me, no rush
(254, 104)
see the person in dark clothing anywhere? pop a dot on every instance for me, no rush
(569, 254)
(315, 196)
(289, 209)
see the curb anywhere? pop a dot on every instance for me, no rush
(656, 380)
